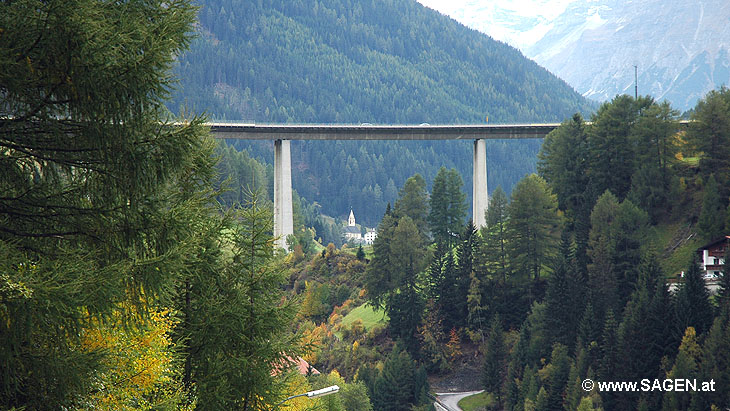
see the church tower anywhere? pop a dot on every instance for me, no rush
(351, 220)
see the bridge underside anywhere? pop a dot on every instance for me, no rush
(282, 134)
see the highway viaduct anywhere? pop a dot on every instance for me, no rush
(282, 134)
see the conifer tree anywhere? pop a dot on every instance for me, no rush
(562, 301)
(562, 163)
(404, 303)
(710, 221)
(455, 307)
(494, 360)
(710, 134)
(495, 249)
(608, 369)
(558, 378)
(413, 202)
(692, 302)
(238, 334)
(602, 279)
(715, 365)
(379, 279)
(395, 386)
(533, 226)
(97, 183)
(685, 367)
(611, 154)
(635, 339)
(439, 208)
(448, 206)
(475, 319)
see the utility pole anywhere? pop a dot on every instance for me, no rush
(636, 82)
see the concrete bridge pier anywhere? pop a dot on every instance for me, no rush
(283, 212)
(480, 198)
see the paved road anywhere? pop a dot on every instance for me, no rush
(451, 399)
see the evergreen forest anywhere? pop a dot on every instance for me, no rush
(375, 61)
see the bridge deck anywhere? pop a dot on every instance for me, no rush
(378, 132)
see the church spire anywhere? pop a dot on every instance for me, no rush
(351, 220)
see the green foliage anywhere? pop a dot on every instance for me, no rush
(563, 298)
(457, 278)
(557, 379)
(336, 61)
(562, 162)
(405, 304)
(494, 360)
(533, 226)
(397, 387)
(399, 256)
(413, 203)
(640, 339)
(615, 246)
(379, 279)
(98, 184)
(692, 301)
(710, 223)
(710, 135)
(355, 397)
(655, 154)
(611, 155)
(494, 253)
(447, 206)
(685, 367)
(610, 355)
(238, 325)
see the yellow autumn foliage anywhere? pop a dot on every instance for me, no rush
(139, 372)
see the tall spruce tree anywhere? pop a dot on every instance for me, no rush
(495, 249)
(379, 280)
(563, 298)
(634, 336)
(96, 182)
(562, 163)
(611, 155)
(494, 360)
(692, 302)
(610, 355)
(456, 310)
(395, 387)
(533, 226)
(709, 133)
(404, 303)
(238, 328)
(685, 367)
(447, 206)
(413, 202)
(558, 378)
(711, 223)
(438, 219)
(653, 134)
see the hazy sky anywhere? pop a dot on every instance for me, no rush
(517, 22)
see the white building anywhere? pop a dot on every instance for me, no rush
(369, 237)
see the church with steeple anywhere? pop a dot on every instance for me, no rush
(352, 232)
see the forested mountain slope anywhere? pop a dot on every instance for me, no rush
(377, 61)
